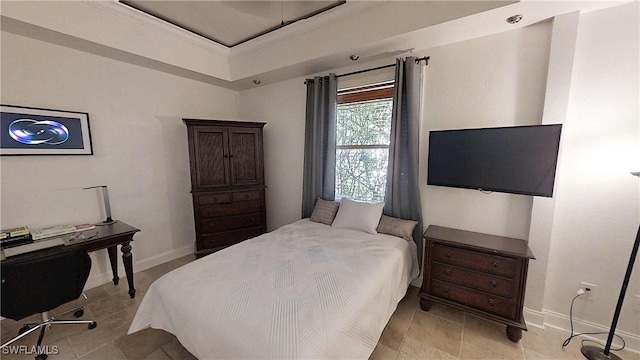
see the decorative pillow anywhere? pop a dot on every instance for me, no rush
(397, 227)
(358, 215)
(324, 211)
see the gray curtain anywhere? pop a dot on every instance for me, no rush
(320, 142)
(402, 197)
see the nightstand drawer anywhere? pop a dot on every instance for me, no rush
(473, 279)
(491, 264)
(492, 304)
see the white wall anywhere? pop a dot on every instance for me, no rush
(282, 106)
(561, 52)
(139, 144)
(598, 203)
(492, 81)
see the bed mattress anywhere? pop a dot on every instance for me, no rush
(304, 291)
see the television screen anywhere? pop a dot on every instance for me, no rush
(518, 160)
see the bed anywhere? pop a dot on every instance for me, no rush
(304, 291)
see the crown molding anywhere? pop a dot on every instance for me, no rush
(116, 8)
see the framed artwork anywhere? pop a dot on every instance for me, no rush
(33, 131)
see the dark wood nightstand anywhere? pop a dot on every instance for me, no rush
(482, 274)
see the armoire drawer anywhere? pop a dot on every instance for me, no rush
(492, 264)
(217, 198)
(472, 279)
(492, 304)
(246, 195)
(238, 208)
(230, 223)
(228, 238)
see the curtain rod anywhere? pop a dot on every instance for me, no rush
(425, 59)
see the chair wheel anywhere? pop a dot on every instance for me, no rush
(93, 325)
(78, 313)
(24, 329)
(42, 357)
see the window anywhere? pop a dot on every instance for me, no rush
(363, 132)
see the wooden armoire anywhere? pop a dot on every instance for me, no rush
(227, 182)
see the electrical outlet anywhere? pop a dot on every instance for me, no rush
(588, 288)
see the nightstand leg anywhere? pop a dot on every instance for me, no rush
(514, 334)
(425, 304)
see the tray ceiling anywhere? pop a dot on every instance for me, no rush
(231, 23)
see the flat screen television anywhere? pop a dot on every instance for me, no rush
(517, 160)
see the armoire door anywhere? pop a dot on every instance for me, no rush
(245, 156)
(210, 152)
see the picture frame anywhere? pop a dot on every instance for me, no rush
(36, 131)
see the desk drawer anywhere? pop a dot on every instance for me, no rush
(227, 238)
(492, 304)
(230, 223)
(473, 279)
(491, 264)
(239, 208)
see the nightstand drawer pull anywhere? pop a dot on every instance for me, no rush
(493, 284)
(491, 302)
(448, 255)
(447, 271)
(446, 290)
(494, 265)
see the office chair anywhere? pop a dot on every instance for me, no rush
(40, 282)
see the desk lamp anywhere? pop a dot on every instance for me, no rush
(107, 206)
(595, 352)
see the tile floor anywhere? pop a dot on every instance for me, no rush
(441, 333)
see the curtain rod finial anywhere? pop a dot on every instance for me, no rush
(425, 59)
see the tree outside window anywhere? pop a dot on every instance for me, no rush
(363, 131)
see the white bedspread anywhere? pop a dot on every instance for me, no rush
(304, 291)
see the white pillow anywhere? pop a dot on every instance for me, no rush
(358, 215)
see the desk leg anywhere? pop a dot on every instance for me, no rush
(113, 259)
(127, 259)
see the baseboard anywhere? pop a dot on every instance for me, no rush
(107, 276)
(561, 322)
(534, 318)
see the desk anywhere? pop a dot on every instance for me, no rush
(102, 237)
